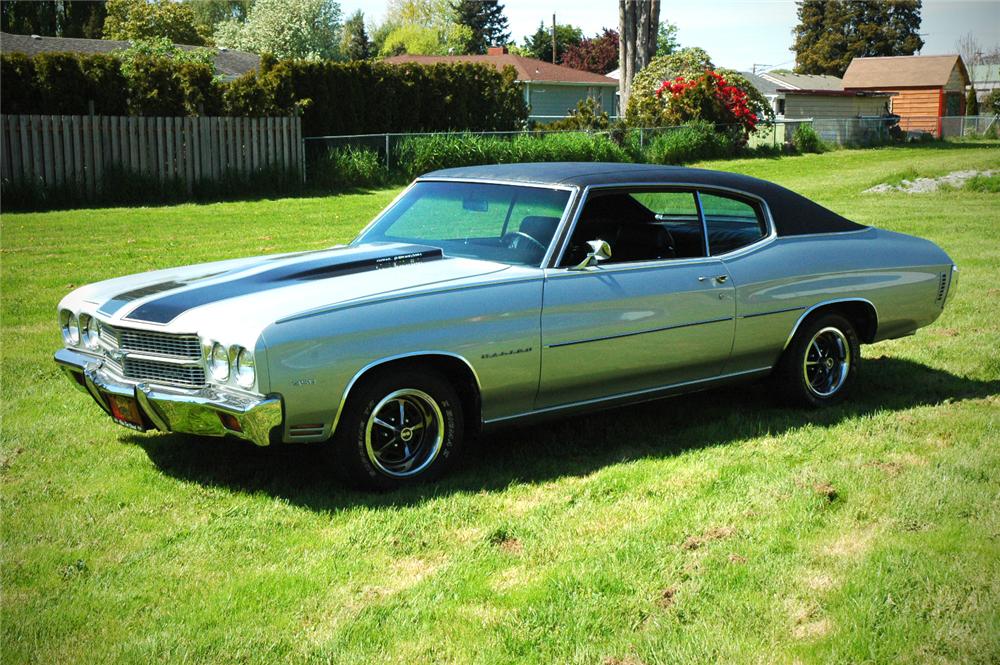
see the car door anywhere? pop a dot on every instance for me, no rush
(661, 313)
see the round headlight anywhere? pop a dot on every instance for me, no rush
(219, 362)
(70, 327)
(90, 331)
(245, 370)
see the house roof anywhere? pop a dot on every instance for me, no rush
(841, 93)
(764, 86)
(804, 81)
(228, 63)
(528, 69)
(904, 71)
(984, 73)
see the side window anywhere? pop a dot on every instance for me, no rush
(731, 222)
(640, 225)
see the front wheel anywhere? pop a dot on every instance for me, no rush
(820, 366)
(398, 428)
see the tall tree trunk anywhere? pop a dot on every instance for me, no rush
(638, 24)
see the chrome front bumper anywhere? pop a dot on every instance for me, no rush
(206, 412)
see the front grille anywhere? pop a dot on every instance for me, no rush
(187, 347)
(190, 376)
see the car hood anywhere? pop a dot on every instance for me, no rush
(249, 294)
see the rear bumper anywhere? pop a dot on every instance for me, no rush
(205, 412)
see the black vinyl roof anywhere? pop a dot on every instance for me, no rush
(793, 213)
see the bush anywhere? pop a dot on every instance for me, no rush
(349, 167)
(991, 105)
(986, 184)
(587, 115)
(805, 139)
(693, 141)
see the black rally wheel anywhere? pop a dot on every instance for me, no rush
(820, 366)
(398, 428)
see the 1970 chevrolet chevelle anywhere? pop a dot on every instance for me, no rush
(488, 295)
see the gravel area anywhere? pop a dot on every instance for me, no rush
(925, 185)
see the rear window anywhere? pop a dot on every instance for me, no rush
(732, 222)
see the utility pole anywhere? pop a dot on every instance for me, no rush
(553, 39)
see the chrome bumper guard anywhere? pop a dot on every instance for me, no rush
(187, 411)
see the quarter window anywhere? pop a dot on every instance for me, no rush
(732, 223)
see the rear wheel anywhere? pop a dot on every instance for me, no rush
(398, 428)
(820, 365)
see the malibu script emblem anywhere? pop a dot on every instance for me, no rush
(501, 354)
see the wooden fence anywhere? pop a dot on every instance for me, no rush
(55, 151)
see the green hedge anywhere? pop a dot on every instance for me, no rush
(333, 97)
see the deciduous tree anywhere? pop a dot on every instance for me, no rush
(638, 22)
(666, 39)
(139, 19)
(598, 54)
(286, 29)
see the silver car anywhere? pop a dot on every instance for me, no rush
(488, 295)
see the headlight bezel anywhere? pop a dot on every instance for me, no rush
(218, 362)
(90, 332)
(244, 367)
(69, 325)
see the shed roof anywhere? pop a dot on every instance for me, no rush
(528, 69)
(904, 71)
(228, 63)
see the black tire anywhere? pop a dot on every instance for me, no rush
(820, 366)
(375, 451)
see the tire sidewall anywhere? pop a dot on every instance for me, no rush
(792, 376)
(354, 423)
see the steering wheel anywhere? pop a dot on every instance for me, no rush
(510, 240)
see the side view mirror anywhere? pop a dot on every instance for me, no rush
(599, 251)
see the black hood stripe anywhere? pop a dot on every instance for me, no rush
(344, 261)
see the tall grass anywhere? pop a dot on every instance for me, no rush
(420, 154)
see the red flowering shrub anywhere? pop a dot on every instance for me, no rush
(707, 97)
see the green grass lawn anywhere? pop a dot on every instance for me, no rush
(716, 527)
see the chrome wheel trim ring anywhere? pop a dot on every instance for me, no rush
(404, 433)
(827, 362)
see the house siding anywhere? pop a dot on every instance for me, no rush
(552, 99)
(919, 108)
(819, 106)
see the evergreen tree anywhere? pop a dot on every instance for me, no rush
(355, 44)
(486, 20)
(831, 33)
(539, 45)
(67, 18)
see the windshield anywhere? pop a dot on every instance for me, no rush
(505, 223)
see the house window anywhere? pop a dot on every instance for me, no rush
(781, 106)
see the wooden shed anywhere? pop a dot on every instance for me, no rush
(927, 87)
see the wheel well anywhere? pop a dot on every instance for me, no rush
(860, 313)
(455, 370)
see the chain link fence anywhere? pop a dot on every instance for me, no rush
(777, 135)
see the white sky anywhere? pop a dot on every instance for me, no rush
(736, 33)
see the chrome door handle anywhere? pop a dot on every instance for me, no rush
(719, 279)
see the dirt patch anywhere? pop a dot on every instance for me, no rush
(718, 533)
(810, 630)
(667, 597)
(505, 541)
(819, 582)
(826, 490)
(737, 559)
(852, 543)
(954, 179)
